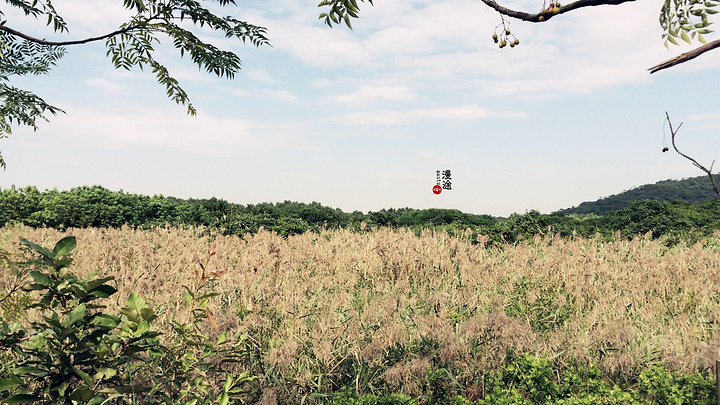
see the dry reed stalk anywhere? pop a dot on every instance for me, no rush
(317, 299)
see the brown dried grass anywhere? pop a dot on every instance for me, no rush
(316, 300)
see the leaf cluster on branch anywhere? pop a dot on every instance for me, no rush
(684, 19)
(130, 46)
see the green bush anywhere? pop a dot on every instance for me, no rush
(76, 353)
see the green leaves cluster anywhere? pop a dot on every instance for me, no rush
(131, 45)
(686, 20)
(340, 11)
(76, 353)
(20, 57)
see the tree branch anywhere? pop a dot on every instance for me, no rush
(521, 15)
(686, 56)
(64, 43)
(673, 132)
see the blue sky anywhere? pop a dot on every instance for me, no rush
(362, 119)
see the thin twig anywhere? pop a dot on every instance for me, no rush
(673, 132)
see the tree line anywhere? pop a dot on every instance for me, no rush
(95, 206)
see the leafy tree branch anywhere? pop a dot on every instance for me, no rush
(130, 46)
(686, 20)
(66, 43)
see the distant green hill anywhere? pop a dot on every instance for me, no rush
(693, 190)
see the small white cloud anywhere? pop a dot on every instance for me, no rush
(281, 95)
(370, 93)
(261, 75)
(397, 117)
(105, 85)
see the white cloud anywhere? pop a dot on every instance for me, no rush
(261, 75)
(281, 95)
(203, 135)
(367, 94)
(397, 117)
(105, 85)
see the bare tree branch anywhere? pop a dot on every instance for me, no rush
(63, 43)
(686, 56)
(536, 17)
(673, 132)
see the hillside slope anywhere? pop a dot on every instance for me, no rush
(693, 190)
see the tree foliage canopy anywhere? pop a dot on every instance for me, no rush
(131, 45)
(680, 19)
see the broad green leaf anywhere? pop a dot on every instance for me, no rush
(142, 327)
(74, 316)
(702, 39)
(28, 370)
(136, 302)
(8, 384)
(671, 39)
(103, 291)
(39, 249)
(148, 314)
(64, 246)
(82, 393)
(84, 376)
(41, 278)
(222, 338)
(21, 399)
(104, 373)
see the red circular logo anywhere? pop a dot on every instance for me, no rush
(437, 189)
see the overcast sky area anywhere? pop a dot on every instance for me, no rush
(362, 119)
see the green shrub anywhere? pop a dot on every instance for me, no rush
(78, 354)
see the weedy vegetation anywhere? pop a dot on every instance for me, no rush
(168, 315)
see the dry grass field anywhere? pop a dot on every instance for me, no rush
(394, 301)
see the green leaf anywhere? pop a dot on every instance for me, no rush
(64, 246)
(103, 291)
(685, 37)
(82, 393)
(671, 39)
(22, 399)
(29, 370)
(105, 320)
(222, 338)
(39, 249)
(142, 327)
(228, 383)
(75, 315)
(84, 376)
(702, 39)
(8, 384)
(42, 278)
(136, 302)
(104, 373)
